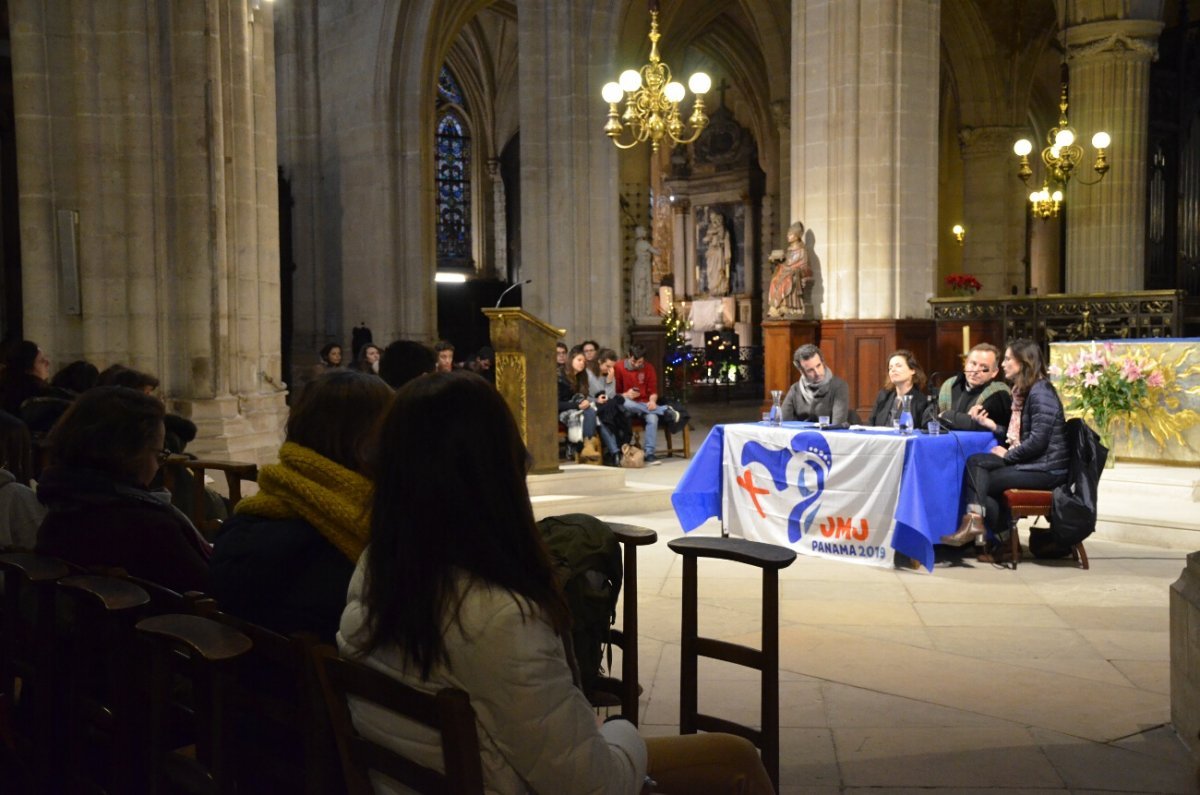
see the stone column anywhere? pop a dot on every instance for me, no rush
(1109, 90)
(864, 152)
(993, 209)
(498, 263)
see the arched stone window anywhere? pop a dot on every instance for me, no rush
(453, 177)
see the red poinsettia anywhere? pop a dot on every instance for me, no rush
(963, 283)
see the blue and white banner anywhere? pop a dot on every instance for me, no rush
(824, 494)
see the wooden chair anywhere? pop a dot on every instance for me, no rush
(1025, 503)
(448, 712)
(639, 423)
(28, 663)
(770, 558)
(103, 719)
(202, 652)
(235, 473)
(286, 743)
(626, 689)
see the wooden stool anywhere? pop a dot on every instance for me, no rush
(770, 558)
(626, 688)
(1024, 503)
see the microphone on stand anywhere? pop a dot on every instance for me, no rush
(509, 289)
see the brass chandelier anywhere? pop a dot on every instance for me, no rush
(1060, 157)
(652, 102)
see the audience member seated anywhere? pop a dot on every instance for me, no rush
(598, 382)
(560, 355)
(905, 377)
(404, 360)
(330, 359)
(285, 558)
(77, 377)
(444, 349)
(20, 511)
(613, 424)
(575, 405)
(484, 364)
(818, 392)
(103, 454)
(1032, 452)
(979, 388)
(120, 375)
(637, 382)
(26, 370)
(368, 359)
(456, 592)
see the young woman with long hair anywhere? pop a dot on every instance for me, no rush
(1031, 451)
(457, 590)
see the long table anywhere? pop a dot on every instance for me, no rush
(853, 495)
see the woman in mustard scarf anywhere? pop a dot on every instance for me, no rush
(285, 559)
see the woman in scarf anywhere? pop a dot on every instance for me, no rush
(285, 558)
(818, 393)
(1032, 452)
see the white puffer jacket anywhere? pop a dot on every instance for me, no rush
(537, 732)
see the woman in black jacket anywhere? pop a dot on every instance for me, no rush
(905, 377)
(573, 400)
(1032, 451)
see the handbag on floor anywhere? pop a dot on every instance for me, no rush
(632, 455)
(590, 454)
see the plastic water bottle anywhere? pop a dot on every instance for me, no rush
(906, 418)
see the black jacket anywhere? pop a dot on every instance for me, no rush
(1043, 444)
(281, 574)
(568, 398)
(883, 407)
(957, 397)
(1073, 510)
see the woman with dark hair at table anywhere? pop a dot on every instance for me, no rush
(905, 377)
(461, 593)
(1032, 452)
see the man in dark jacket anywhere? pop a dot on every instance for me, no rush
(978, 387)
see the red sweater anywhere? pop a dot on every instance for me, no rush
(645, 380)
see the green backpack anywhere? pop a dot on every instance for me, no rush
(588, 559)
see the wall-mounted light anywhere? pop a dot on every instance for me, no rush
(256, 6)
(447, 277)
(959, 232)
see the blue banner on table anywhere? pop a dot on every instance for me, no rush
(829, 495)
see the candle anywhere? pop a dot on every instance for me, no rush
(966, 340)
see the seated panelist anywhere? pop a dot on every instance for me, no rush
(977, 391)
(818, 393)
(905, 377)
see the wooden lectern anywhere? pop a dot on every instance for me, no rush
(527, 379)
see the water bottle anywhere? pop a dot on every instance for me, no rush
(906, 418)
(777, 407)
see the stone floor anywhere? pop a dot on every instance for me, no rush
(970, 679)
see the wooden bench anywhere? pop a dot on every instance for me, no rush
(640, 425)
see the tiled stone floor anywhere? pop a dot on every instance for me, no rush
(969, 679)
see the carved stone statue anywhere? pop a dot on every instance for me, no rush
(785, 297)
(641, 296)
(717, 255)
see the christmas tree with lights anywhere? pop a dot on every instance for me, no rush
(677, 354)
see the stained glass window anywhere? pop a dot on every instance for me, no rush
(448, 87)
(453, 191)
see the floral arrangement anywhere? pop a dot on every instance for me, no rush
(963, 283)
(1132, 389)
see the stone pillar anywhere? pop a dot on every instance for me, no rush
(864, 152)
(570, 223)
(1185, 653)
(156, 123)
(1109, 90)
(683, 245)
(993, 210)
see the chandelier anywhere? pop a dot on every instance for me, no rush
(1060, 157)
(652, 102)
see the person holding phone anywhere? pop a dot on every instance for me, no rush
(637, 382)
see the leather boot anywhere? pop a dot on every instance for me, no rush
(969, 529)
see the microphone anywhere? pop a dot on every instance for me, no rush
(509, 289)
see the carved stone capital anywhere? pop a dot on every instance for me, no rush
(781, 113)
(1126, 39)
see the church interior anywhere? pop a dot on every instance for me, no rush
(213, 190)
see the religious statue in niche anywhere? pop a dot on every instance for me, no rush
(792, 278)
(641, 296)
(718, 254)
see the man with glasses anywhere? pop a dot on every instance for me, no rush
(977, 389)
